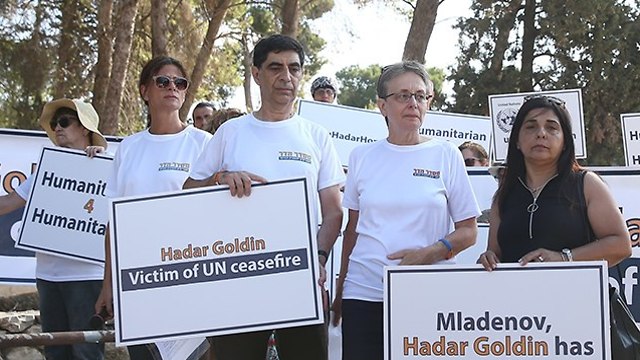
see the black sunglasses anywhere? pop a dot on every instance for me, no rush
(470, 161)
(63, 121)
(551, 99)
(162, 82)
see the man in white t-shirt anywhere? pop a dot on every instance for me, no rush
(67, 288)
(271, 144)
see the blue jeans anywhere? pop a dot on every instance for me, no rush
(68, 306)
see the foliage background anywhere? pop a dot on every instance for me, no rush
(66, 48)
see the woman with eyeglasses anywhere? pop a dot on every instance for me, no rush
(547, 207)
(157, 159)
(403, 193)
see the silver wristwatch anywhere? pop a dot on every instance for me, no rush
(567, 254)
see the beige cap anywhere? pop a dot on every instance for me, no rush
(86, 113)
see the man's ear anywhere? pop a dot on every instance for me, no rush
(382, 104)
(255, 72)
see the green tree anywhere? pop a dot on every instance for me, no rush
(358, 86)
(508, 46)
(27, 52)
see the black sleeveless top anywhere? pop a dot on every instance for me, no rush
(559, 221)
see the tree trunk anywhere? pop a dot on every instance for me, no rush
(218, 8)
(124, 37)
(424, 18)
(247, 62)
(504, 24)
(64, 49)
(290, 16)
(105, 51)
(528, 43)
(159, 28)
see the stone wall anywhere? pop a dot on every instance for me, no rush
(19, 314)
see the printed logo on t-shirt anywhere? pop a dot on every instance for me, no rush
(434, 174)
(174, 166)
(294, 155)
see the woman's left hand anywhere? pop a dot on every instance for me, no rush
(541, 255)
(422, 256)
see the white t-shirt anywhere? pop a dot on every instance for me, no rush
(57, 268)
(146, 163)
(276, 150)
(408, 197)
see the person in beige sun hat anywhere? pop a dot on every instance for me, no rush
(73, 109)
(67, 288)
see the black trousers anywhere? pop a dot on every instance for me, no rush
(362, 330)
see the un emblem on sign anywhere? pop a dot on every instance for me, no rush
(505, 119)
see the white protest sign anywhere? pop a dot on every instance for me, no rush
(622, 183)
(213, 264)
(19, 153)
(631, 137)
(504, 107)
(350, 126)
(552, 311)
(67, 210)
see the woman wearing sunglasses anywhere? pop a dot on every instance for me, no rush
(548, 208)
(157, 159)
(67, 288)
(474, 154)
(403, 193)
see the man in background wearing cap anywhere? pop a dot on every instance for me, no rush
(324, 89)
(68, 289)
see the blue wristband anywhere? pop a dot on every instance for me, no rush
(449, 247)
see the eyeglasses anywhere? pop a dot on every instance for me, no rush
(63, 121)
(162, 82)
(551, 99)
(470, 161)
(405, 96)
(325, 91)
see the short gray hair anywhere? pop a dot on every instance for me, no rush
(390, 72)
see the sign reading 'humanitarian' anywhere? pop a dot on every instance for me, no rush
(67, 212)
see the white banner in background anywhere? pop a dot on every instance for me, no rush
(549, 311)
(67, 210)
(504, 107)
(212, 272)
(630, 124)
(19, 153)
(350, 126)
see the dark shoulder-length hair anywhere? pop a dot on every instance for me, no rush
(567, 163)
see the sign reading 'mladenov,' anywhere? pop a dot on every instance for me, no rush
(538, 311)
(67, 211)
(213, 264)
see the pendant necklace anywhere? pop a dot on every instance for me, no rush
(533, 207)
